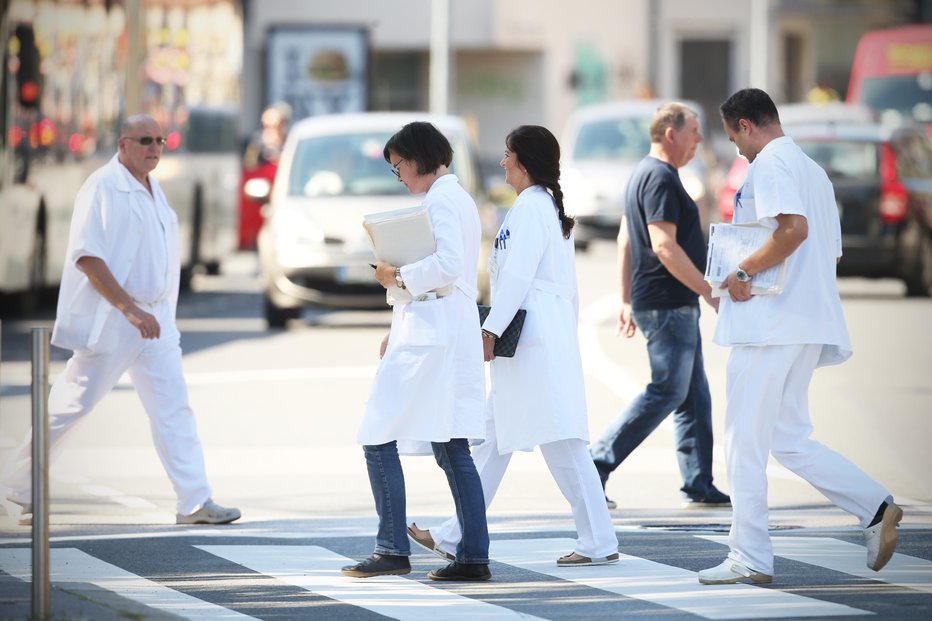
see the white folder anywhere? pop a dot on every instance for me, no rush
(729, 244)
(400, 237)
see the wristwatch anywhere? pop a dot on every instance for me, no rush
(398, 281)
(741, 275)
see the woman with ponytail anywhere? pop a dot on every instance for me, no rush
(538, 396)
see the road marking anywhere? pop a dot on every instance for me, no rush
(73, 565)
(596, 362)
(317, 569)
(664, 585)
(244, 376)
(902, 570)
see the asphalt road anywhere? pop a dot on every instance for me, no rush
(278, 412)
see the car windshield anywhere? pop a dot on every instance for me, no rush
(342, 164)
(908, 94)
(613, 139)
(353, 165)
(843, 159)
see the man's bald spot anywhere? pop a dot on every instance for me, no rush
(132, 122)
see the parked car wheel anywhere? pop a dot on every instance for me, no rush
(919, 282)
(276, 316)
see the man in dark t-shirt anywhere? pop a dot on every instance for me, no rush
(661, 257)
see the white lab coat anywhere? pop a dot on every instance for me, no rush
(108, 223)
(430, 385)
(538, 396)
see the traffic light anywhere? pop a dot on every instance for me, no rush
(27, 73)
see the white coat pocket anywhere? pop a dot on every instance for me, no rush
(424, 324)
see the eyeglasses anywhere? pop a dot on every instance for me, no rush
(395, 169)
(148, 140)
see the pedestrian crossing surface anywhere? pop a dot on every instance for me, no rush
(818, 575)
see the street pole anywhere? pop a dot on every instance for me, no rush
(439, 56)
(40, 473)
(136, 55)
(760, 44)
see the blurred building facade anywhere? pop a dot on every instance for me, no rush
(535, 61)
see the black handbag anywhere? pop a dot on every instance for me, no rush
(507, 342)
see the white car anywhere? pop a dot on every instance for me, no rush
(602, 145)
(313, 248)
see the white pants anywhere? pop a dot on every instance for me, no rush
(155, 368)
(768, 412)
(572, 468)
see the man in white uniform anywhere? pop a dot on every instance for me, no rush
(778, 341)
(116, 311)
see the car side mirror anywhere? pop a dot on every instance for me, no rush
(258, 189)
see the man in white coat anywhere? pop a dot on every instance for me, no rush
(116, 311)
(777, 343)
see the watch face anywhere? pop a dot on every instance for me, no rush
(742, 276)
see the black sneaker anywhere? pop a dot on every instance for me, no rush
(378, 565)
(462, 572)
(711, 499)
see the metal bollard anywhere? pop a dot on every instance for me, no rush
(40, 473)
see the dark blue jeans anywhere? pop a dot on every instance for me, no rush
(388, 488)
(678, 384)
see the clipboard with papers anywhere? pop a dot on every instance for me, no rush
(729, 244)
(400, 237)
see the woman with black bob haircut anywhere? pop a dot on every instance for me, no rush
(538, 397)
(421, 143)
(429, 391)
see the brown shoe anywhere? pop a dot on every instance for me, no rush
(423, 539)
(578, 560)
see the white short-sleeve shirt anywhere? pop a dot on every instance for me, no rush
(783, 180)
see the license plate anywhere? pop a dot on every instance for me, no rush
(355, 274)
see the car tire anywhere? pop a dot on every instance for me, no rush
(919, 282)
(277, 317)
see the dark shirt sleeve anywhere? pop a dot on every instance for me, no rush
(661, 197)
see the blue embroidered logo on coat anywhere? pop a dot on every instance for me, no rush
(501, 240)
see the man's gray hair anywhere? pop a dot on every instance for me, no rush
(672, 114)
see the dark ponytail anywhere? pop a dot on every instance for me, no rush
(539, 152)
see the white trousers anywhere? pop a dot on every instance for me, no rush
(572, 468)
(155, 369)
(768, 413)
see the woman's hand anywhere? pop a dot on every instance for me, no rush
(488, 345)
(385, 273)
(384, 346)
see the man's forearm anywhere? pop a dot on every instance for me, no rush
(792, 230)
(102, 279)
(624, 265)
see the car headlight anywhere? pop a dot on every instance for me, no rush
(693, 185)
(293, 229)
(579, 194)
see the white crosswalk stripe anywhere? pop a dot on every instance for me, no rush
(72, 565)
(902, 570)
(664, 585)
(316, 569)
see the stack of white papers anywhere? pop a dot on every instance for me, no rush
(400, 237)
(729, 244)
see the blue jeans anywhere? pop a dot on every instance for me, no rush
(388, 488)
(678, 384)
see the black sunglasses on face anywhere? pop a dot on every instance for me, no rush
(395, 169)
(147, 140)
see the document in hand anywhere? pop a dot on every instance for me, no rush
(729, 244)
(400, 237)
